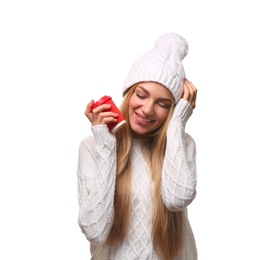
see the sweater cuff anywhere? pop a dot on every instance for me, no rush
(102, 134)
(183, 109)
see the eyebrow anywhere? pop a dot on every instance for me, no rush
(159, 99)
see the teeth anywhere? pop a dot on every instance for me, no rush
(145, 120)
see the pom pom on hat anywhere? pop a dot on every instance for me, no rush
(163, 65)
(174, 42)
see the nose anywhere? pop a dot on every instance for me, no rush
(148, 109)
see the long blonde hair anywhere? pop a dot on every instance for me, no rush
(166, 228)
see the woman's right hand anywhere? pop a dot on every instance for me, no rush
(100, 115)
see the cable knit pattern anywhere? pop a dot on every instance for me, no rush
(96, 175)
(179, 167)
(96, 186)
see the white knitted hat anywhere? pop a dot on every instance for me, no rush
(163, 65)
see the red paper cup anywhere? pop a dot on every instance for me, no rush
(113, 127)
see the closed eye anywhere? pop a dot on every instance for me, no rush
(163, 105)
(140, 96)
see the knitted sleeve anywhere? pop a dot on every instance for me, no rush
(179, 167)
(96, 184)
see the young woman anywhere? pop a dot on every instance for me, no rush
(134, 186)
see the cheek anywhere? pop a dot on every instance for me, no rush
(133, 104)
(131, 107)
(162, 115)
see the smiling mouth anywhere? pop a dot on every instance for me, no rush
(143, 119)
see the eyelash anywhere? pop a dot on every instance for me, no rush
(164, 106)
(143, 97)
(139, 96)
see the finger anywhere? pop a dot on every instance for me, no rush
(190, 93)
(186, 91)
(89, 109)
(89, 106)
(104, 118)
(190, 86)
(193, 96)
(101, 108)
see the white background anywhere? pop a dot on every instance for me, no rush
(57, 55)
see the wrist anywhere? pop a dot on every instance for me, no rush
(183, 109)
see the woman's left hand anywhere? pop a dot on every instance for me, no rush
(190, 93)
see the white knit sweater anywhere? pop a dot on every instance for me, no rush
(96, 187)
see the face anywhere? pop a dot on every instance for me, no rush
(149, 106)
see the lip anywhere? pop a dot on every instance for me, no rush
(142, 120)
